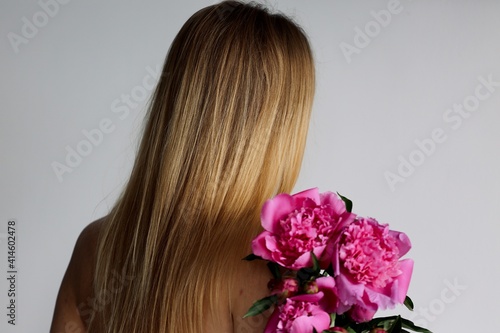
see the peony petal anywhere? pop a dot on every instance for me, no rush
(349, 293)
(305, 259)
(403, 281)
(336, 204)
(312, 193)
(394, 293)
(271, 242)
(318, 251)
(336, 260)
(320, 321)
(330, 301)
(383, 300)
(308, 297)
(278, 258)
(326, 282)
(274, 210)
(344, 221)
(272, 322)
(402, 242)
(259, 245)
(361, 314)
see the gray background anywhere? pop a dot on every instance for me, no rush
(74, 73)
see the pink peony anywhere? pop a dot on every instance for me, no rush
(368, 271)
(284, 288)
(299, 314)
(362, 313)
(330, 300)
(296, 225)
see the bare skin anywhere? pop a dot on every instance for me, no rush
(76, 284)
(76, 289)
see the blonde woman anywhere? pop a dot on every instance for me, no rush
(225, 131)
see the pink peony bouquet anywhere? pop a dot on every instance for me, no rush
(332, 270)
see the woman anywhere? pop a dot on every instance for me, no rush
(225, 131)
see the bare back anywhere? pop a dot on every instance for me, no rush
(76, 300)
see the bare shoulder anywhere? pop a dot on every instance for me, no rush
(251, 286)
(76, 284)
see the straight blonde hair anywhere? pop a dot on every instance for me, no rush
(225, 131)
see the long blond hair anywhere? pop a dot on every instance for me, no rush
(225, 131)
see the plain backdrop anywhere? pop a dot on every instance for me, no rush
(405, 123)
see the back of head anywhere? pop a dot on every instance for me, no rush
(225, 131)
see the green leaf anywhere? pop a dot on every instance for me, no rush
(396, 326)
(409, 324)
(261, 306)
(350, 330)
(408, 303)
(275, 269)
(315, 261)
(382, 320)
(348, 203)
(251, 257)
(388, 323)
(333, 316)
(309, 273)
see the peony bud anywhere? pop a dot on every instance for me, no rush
(284, 288)
(311, 287)
(378, 330)
(337, 329)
